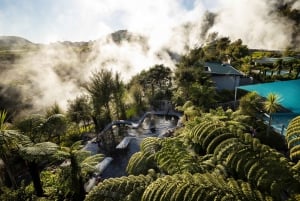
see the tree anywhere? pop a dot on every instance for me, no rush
(101, 88)
(271, 105)
(10, 142)
(32, 127)
(135, 100)
(55, 127)
(81, 162)
(293, 138)
(203, 95)
(236, 50)
(156, 83)
(296, 67)
(190, 111)
(279, 64)
(35, 154)
(250, 104)
(118, 96)
(54, 109)
(190, 78)
(79, 110)
(123, 188)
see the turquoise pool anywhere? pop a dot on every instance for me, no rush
(280, 121)
(289, 91)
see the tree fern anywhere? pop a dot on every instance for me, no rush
(293, 138)
(39, 151)
(150, 145)
(186, 187)
(211, 135)
(118, 189)
(140, 163)
(222, 151)
(216, 141)
(174, 157)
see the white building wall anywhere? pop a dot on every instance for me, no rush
(228, 82)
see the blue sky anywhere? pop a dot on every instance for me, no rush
(76, 20)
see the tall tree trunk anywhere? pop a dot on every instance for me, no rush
(97, 127)
(12, 179)
(35, 176)
(290, 70)
(297, 74)
(77, 181)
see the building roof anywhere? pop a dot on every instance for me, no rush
(221, 69)
(272, 60)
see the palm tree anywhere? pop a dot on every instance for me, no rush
(100, 88)
(271, 105)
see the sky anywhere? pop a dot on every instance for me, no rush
(55, 73)
(45, 21)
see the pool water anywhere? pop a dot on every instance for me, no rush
(289, 92)
(280, 121)
(162, 124)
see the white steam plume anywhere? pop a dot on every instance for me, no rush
(55, 73)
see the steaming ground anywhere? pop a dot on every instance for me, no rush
(159, 30)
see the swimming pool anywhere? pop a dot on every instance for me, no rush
(289, 92)
(280, 121)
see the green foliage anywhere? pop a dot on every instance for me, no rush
(79, 110)
(140, 163)
(144, 160)
(199, 187)
(189, 110)
(293, 138)
(192, 84)
(245, 158)
(250, 104)
(53, 110)
(106, 91)
(81, 163)
(174, 157)
(129, 188)
(150, 86)
(3, 115)
(39, 151)
(7, 194)
(271, 105)
(32, 127)
(55, 127)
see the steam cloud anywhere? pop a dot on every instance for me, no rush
(55, 72)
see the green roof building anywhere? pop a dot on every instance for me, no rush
(223, 75)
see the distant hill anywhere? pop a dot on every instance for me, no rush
(14, 42)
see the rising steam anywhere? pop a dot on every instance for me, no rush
(56, 72)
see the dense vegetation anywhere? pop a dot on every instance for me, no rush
(216, 155)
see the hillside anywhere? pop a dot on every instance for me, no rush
(14, 43)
